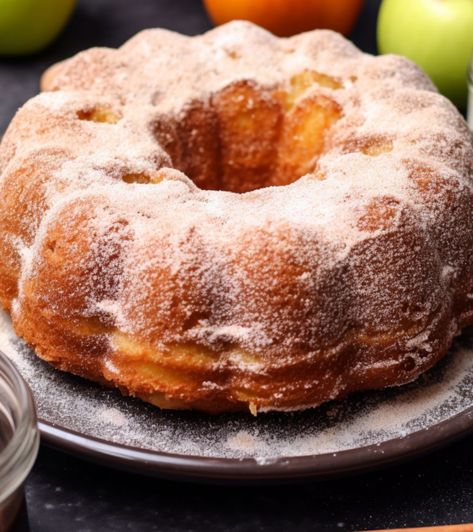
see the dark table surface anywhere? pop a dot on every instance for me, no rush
(67, 494)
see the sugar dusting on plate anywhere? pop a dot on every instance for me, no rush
(363, 419)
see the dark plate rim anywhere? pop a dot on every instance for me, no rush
(199, 468)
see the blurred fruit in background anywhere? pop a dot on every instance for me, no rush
(436, 34)
(28, 26)
(288, 17)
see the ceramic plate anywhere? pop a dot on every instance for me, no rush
(362, 432)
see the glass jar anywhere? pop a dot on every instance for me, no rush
(19, 441)
(470, 95)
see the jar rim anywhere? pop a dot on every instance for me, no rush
(18, 455)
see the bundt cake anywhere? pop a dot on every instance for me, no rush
(236, 221)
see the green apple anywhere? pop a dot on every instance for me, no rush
(27, 26)
(435, 34)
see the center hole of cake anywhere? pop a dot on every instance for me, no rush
(248, 137)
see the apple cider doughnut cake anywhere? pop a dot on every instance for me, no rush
(235, 221)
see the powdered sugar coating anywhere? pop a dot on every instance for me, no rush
(378, 255)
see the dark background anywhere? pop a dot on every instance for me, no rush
(68, 494)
